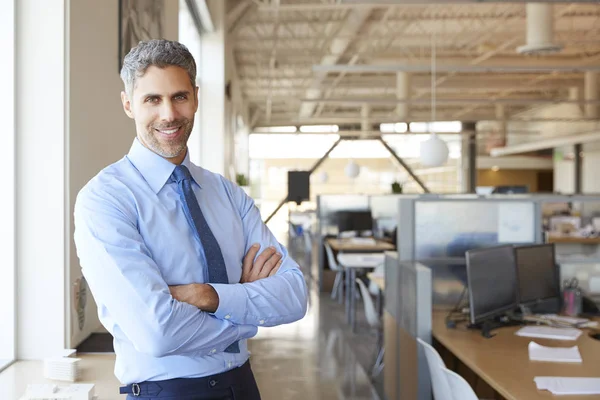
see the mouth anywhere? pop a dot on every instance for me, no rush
(170, 132)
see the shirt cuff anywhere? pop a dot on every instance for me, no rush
(232, 301)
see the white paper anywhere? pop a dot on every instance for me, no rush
(560, 385)
(548, 332)
(516, 223)
(554, 354)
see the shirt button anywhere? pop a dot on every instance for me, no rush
(212, 383)
(262, 321)
(227, 316)
(229, 364)
(213, 351)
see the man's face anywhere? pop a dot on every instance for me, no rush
(163, 105)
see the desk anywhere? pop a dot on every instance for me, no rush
(352, 262)
(503, 361)
(347, 245)
(378, 279)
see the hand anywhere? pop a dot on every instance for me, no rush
(266, 264)
(200, 295)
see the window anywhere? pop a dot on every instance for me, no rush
(7, 176)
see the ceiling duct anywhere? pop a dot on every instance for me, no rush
(540, 30)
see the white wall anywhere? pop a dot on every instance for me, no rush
(100, 132)
(212, 93)
(41, 177)
(7, 174)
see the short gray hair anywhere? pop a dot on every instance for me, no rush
(157, 52)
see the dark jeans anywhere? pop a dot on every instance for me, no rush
(236, 384)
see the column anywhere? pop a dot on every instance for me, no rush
(402, 93)
(591, 93)
(212, 112)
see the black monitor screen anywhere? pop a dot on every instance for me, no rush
(492, 281)
(538, 274)
(355, 221)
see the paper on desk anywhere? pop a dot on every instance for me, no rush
(554, 354)
(548, 332)
(559, 385)
(581, 322)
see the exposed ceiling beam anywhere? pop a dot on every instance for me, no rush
(351, 26)
(394, 101)
(547, 143)
(237, 13)
(378, 69)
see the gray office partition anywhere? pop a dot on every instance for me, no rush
(407, 316)
(437, 230)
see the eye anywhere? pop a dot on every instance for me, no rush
(152, 100)
(181, 97)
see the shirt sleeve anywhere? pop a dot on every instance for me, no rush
(125, 280)
(276, 300)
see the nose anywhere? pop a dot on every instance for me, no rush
(168, 112)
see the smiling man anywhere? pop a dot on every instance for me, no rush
(171, 250)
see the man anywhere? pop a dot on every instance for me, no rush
(170, 249)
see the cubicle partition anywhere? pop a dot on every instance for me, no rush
(383, 208)
(437, 230)
(407, 316)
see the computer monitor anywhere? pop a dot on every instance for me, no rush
(539, 278)
(355, 221)
(492, 282)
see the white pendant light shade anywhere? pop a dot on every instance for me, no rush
(433, 152)
(323, 177)
(352, 169)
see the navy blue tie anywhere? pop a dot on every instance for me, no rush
(217, 271)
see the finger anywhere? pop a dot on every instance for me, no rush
(274, 270)
(249, 257)
(263, 257)
(269, 265)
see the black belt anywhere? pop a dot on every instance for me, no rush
(183, 386)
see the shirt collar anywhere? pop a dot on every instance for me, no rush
(155, 169)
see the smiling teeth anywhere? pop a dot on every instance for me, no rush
(170, 131)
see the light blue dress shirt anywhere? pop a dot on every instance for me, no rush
(133, 241)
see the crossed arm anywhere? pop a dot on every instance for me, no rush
(205, 297)
(133, 296)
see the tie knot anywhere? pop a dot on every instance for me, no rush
(180, 173)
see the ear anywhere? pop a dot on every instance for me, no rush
(126, 104)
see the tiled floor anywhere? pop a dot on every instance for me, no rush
(310, 359)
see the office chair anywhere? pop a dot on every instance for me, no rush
(439, 381)
(446, 384)
(461, 390)
(338, 284)
(375, 324)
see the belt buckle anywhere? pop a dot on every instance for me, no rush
(135, 389)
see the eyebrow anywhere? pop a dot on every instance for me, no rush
(181, 92)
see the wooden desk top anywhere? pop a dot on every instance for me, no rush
(503, 361)
(348, 245)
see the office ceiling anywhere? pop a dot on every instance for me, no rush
(341, 62)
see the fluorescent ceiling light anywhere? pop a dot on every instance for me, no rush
(320, 128)
(437, 127)
(398, 127)
(276, 129)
